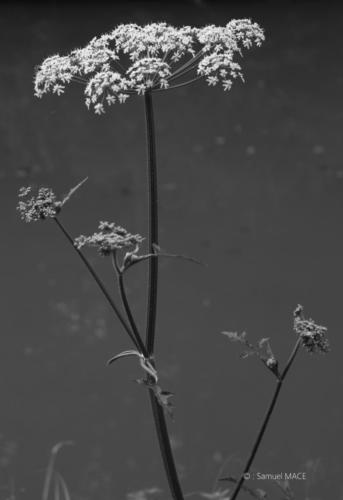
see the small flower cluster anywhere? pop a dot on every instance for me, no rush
(109, 239)
(312, 335)
(40, 207)
(133, 59)
(44, 205)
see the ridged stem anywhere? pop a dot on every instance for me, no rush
(157, 410)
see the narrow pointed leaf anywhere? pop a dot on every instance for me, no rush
(73, 190)
(124, 354)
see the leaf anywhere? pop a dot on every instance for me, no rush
(156, 248)
(267, 358)
(132, 258)
(149, 368)
(163, 399)
(264, 341)
(235, 337)
(131, 352)
(72, 191)
(161, 395)
(146, 364)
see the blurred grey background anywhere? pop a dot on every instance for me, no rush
(251, 182)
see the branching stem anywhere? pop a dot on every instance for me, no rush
(266, 420)
(98, 281)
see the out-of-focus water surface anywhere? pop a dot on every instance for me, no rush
(251, 182)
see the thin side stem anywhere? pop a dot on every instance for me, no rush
(266, 419)
(157, 410)
(182, 73)
(290, 359)
(123, 295)
(172, 87)
(98, 281)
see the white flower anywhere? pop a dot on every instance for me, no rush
(58, 89)
(212, 80)
(99, 108)
(227, 84)
(134, 59)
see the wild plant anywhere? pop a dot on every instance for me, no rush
(130, 61)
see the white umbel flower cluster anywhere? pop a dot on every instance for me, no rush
(134, 59)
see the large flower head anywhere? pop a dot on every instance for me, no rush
(134, 59)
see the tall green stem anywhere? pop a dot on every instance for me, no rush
(157, 410)
(265, 421)
(153, 223)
